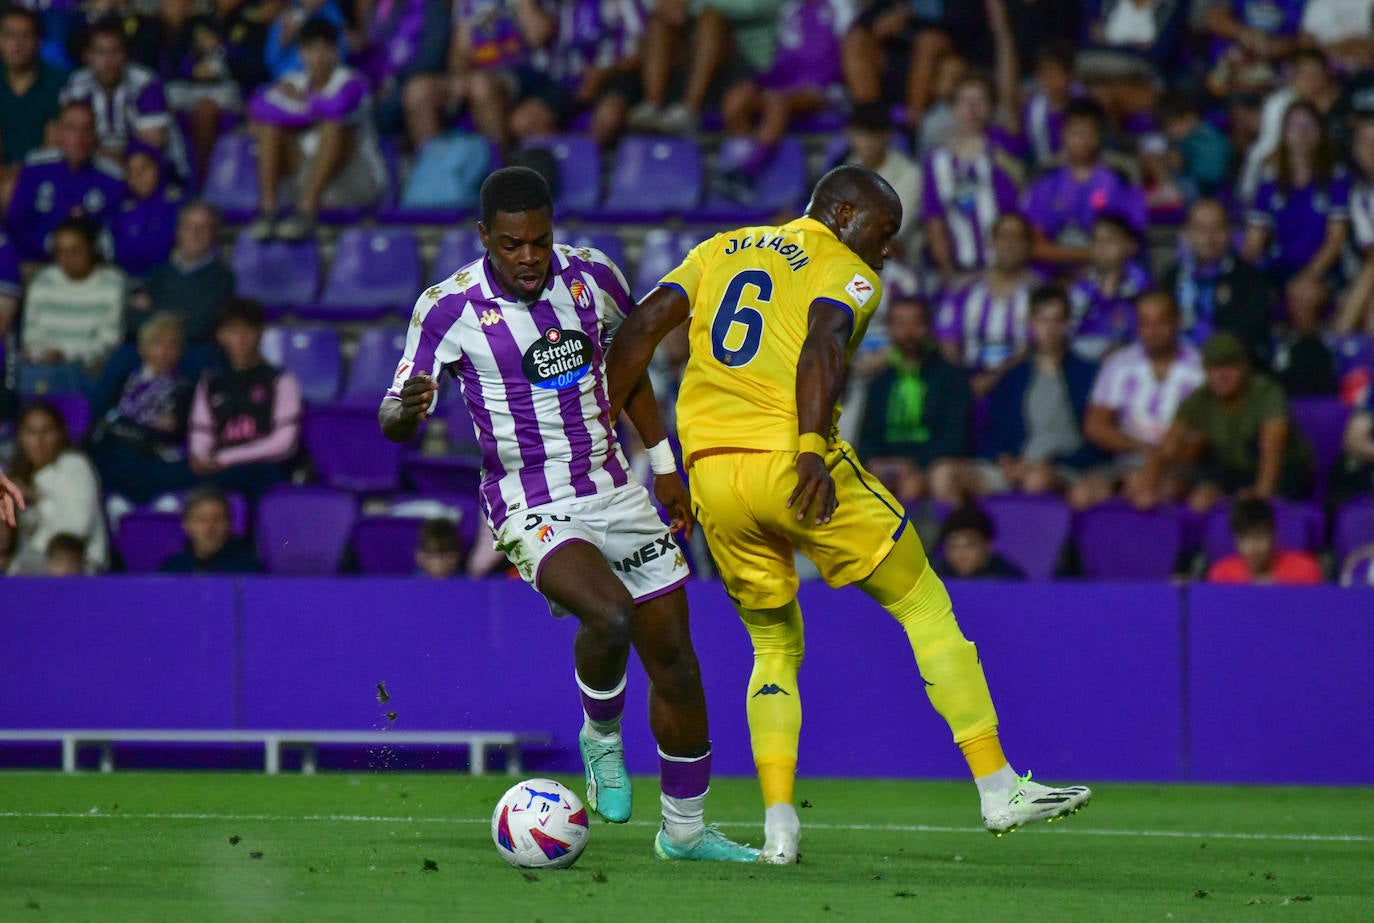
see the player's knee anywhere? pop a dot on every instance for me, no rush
(612, 623)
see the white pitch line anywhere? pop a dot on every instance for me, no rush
(1059, 830)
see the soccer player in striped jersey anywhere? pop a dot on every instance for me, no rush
(775, 315)
(524, 330)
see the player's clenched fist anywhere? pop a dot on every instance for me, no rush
(417, 394)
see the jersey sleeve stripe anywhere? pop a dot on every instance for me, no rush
(678, 287)
(841, 305)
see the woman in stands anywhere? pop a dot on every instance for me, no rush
(60, 490)
(1356, 313)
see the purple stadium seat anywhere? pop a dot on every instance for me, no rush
(1300, 528)
(663, 250)
(461, 434)
(145, 539)
(1322, 420)
(579, 171)
(607, 242)
(311, 353)
(457, 248)
(376, 271)
(653, 177)
(303, 530)
(780, 187)
(348, 449)
(386, 544)
(1031, 531)
(276, 273)
(458, 476)
(231, 180)
(1116, 541)
(1354, 527)
(75, 411)
(374, 364)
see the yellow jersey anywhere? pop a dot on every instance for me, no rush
(750, 292)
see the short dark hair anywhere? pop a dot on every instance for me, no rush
(35, 21)
(1060, 51)
(1159, 294)
(1048, 294)
(870, 117)
(1177, 104)
(66, 543)
(1119, 222)
(439, 536)
(910, 300)
(1087, 109)
(243, 311)
(1019, 217)
(514, 190)
(1251, 515)
(967, 518)
(82, 104)
(318, 29)
(87, 229)
(110, 27)
(1313, 55)
(205, 494)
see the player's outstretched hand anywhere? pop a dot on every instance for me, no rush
(815, 490)
(673, 496)
(11, 498)
(416, 396)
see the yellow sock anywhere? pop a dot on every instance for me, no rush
(983, 754)
(774, 701)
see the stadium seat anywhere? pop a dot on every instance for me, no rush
(231, 180)
(1354, 527)
(607, 242)
(462, 437)
(457, 248)
(303, 530)
(347, 449)
(376, 271)
(311, 354)
(653, 177)
(278, 274)
(75, 411)
(1322, 420)
(579, 171)
(146, 538)
(780, 187)
(1118, 542)
(663, 250)
(1300, 527)
(1030, 531)
(374, 364)
(449, 475)
(386, 544)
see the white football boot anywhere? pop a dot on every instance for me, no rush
(1029, 802)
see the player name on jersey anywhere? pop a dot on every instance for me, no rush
(793, 253)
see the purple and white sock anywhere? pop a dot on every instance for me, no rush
(684, 781)
(603, 709)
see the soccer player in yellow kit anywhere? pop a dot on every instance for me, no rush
(775, 314)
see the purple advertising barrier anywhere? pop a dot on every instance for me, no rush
(134, 652)
(1281, 689)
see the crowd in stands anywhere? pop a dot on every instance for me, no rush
(1135, 271)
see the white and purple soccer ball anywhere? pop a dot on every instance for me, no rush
(539, 824)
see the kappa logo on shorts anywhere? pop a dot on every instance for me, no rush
(658, 548)
(860, 289)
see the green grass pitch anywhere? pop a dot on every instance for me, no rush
(227, 846)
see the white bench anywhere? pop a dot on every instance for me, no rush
(273, 742)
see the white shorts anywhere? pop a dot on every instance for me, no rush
(622, 525)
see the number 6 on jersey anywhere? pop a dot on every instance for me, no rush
(737, 330)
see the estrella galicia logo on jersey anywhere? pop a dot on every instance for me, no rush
(770, 689)
(559, 359)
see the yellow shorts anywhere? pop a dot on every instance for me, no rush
(740, 499)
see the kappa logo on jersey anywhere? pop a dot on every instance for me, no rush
(416, 320)
(434, 293)
(580, 295)
(463, 279)
(559, 360)
(491, 317)
(658, 548)
(860, 289)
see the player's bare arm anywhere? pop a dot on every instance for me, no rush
(400, 419)
(661, 310)
(820, 376)
(642, 409)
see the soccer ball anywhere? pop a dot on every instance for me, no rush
(539, 824)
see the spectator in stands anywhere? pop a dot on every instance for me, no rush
(1305, 365)
(871, 145)
(490, 50)
(1232, 436)
(193, 285)
(969, 180)
(29, 90)
(73, 314)
(144, 227)
(918, 411)
(11, 289)
(1063, 203)
(1135, 397)
(282, 51)
(1133, 44)
(315, 126)
(439, 552)
(1249, 40)
(60, 182)
(403, 39)
(729, 40)
(211, 547)
(139, 440)
(1103, 296)
(1343, 29)
(1309, 80)
(1356, 313)
(1042, 118)
(128, 99)
(1258, 559)
(937, 123)
(245, 416)
(1299, 218)
(1198, 154)
(1354, 474)
(805, 78)
(65, 556)
(61, 491)
(1215, 290)
(966, 548)
(984, 325)
(233, 36)
(592, 64)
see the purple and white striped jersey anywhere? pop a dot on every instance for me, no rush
(987, 329)
(969, 195)
(532, 375)
(1144, 404)
(1362, 216)
(136, 104)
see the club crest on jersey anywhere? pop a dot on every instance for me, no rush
(860, 289)
(490, 317)
(580, 295)
(559, 359)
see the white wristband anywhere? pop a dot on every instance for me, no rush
(661, 459)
